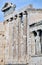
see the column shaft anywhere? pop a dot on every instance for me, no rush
(6, 43)
(15, 50)
(25, 33)
(28, 40)
(11, 41)
(19, 37)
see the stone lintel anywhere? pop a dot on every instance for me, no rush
(36, 28)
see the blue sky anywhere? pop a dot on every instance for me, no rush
(20, 4)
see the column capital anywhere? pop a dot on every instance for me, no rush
(19, 15)
(25, 13)
(15, 17)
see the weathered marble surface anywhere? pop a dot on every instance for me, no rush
(17, 38)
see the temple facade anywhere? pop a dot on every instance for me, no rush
(21, 36)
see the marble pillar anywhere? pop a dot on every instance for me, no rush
(19, 37)
(6, 44)
(28, 40)
(10, 42)
(15, 44)
(24, 43)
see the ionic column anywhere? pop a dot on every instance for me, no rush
(28, 40)
(24, 43)
(19, 37)
(15, 45)
(11, 41)
(7, 42)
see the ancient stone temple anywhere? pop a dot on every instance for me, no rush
(21, 36)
